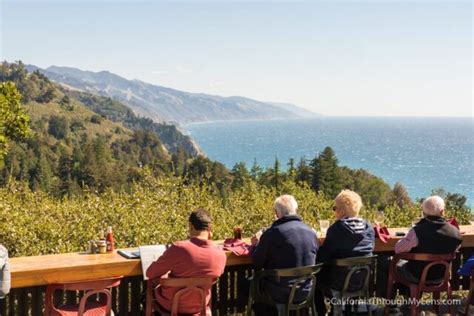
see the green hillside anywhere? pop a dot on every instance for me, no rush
(73, 145)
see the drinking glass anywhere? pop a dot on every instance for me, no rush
(379, 218)
(324, 225)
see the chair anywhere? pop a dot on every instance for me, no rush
(300, 275)
(356, 266)
(85, 306)
(423, 285)
(185, 285)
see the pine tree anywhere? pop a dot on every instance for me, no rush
(291, 168)
(43, 174)
(256, 170)
(178, 161)
(325, 173)
(276, 174)
(400, 196)
(240, 174)
(303, 172)
(65, 174)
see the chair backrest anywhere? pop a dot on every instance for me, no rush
(187, 285)
(361, 267)
(434, 260)
(91, 284)
(300, 275)
(92, 287)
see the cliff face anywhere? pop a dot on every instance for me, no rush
(169, 105)
(169, 134)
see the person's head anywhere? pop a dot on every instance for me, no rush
(433, 206)
(347, 204)
(285, 205)
(200, 224)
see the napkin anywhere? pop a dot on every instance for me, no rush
(237, 246)
(382, 233)
(453, 222)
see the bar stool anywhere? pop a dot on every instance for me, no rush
(86, 307)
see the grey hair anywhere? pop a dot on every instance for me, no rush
(285, 205)
(433, 205)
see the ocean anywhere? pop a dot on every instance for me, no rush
(421, 153)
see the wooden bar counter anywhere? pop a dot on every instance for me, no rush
(42, 270)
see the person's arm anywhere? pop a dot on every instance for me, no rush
(260, 252)
(164, 264)
(407, 243)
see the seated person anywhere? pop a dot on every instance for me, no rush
(288, 243)
(430, 235)
(349, 236)
(5, 276)
(197, 257)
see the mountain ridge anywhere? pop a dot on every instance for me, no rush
(168, 104)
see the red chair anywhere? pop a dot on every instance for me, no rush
(85, 307)
(185, 285)
(423, 285)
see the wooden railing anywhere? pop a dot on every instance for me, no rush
(30, 275)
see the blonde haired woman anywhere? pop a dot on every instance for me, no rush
(349, 236)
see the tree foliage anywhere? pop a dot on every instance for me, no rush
(325, 173)
(13, 119)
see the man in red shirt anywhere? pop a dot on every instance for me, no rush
(197, 257)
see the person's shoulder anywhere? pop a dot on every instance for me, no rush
(368, 226)
(307, 229)
(180, 245)
(218, 253)
(337, 225)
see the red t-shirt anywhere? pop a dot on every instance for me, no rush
(194, 258)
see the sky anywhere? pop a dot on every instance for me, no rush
(348, 58)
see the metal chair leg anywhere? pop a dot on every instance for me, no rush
(282, 310)
(249, 306)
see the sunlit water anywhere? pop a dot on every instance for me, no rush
(421, 153)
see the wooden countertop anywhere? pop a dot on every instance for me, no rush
(41, 270)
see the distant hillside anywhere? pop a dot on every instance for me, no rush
(295, 109)
(110, 112)
(165, 104)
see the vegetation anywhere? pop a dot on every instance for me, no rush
(13, 119)
(155, 210)
(86, 167)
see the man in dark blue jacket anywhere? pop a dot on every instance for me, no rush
(288, 243)
(349, 236)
